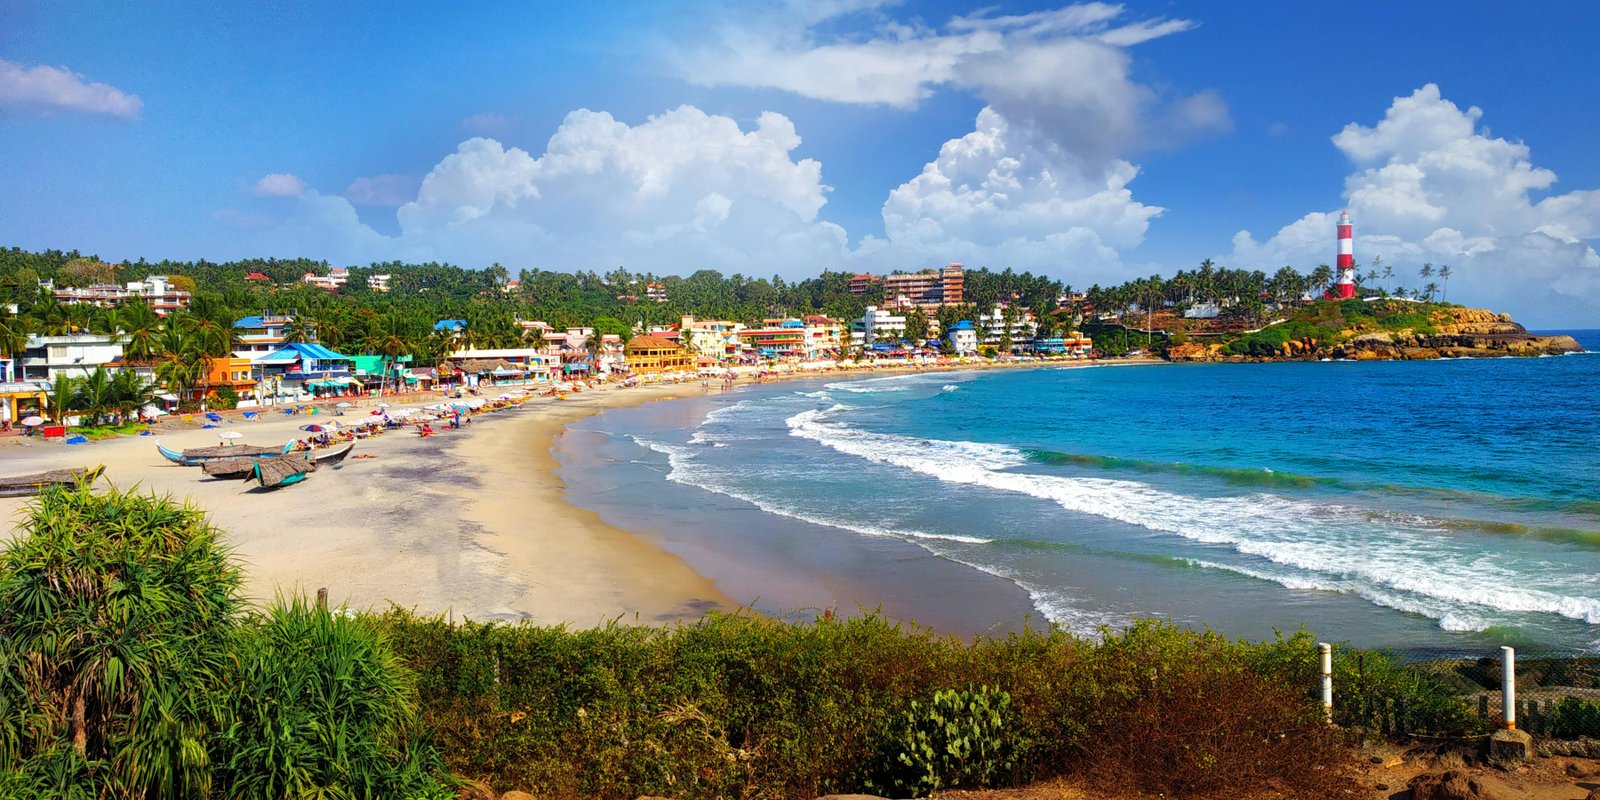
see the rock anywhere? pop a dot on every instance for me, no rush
(1458, 784)
(1582, 747)
(1382, 787)
(1579, 771)
(1510, 746)
(1594, 794)
(514, 795)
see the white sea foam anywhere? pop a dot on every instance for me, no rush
(686, 469)
(949, 387)
(1416, 568)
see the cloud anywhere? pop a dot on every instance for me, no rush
(681, 191)
(47, 89)
(994, 197)
(1061, 76)
(1431, 186)
(389, 190)
(280, 184)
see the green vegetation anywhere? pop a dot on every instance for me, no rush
(736, 706)
(130, 668)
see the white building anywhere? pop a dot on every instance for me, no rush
(993, 326)
(963, 338)
(76, 355)
(378, 283)
(336, 277)
(877, 324)
(717, 338)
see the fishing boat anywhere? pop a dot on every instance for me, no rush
(195, 456)
(285, 470)
(25, 485)
(332, 455)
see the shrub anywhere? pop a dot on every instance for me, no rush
(958, 738)
(321, 707)
(126, 671)
(1574, 717)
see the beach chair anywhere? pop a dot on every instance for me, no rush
(213, 416)
(251, 415)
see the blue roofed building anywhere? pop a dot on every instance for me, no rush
(963, 337)
(451, 325)
(298, 369)
(263, 333)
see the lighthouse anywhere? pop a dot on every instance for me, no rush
(1344, 285)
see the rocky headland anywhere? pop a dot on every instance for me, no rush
(1393, 332)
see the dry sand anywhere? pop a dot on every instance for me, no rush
(469, 523)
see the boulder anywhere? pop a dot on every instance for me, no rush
(1460, 784)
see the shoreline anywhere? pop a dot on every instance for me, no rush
(468, 523)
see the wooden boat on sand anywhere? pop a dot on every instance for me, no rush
(195, 456)
(285, 470)
(25, 485)
(332, 455)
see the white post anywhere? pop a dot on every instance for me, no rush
(1327, 680)
(1508, 686)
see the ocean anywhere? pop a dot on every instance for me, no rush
(1442, 506)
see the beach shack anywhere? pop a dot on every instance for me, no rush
(649, 355)
(18, 399)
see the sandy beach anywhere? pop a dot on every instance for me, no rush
(469, 523)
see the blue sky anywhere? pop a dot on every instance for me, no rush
(1091, 142)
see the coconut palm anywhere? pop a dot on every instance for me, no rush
(131, 392)
(140, 327)
(13, 333)
(1444, 272)
(63, 397)
(97, 394)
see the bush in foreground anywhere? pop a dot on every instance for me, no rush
(734, 706)
(128, 669)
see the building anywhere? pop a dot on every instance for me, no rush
(877, 325)
(860, 282)
(76, 355)
(19, 399)
(822, 336)
(655, 293)
(776, 338)
(257, 277)
(994, 326)
(927, 290)
(336, 277)
(1075, 345)
(649, 355)
(379, 283)
(259, 335)
(963, 338)
(612, 355)
(500, 364)
(299, 368)
(157, 290)
(235, 373)
(717, 339)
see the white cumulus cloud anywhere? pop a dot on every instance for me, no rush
(1431, 186)
(46, 89)
(680, 191)
(280, 184)
(999, 198)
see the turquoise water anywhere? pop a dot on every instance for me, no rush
(1427, 505)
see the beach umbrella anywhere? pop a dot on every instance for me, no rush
(28, 422)
(229, 435)
(383, 405)
(320, 427)
(341, 405)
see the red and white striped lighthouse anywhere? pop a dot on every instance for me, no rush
(1344, 286)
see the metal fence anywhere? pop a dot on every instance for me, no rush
(1548, 694)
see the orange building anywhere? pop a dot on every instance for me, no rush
(233, 372)
(647, 355)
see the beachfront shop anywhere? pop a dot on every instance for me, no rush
(380, 373)
(19, 399)
(307, 368)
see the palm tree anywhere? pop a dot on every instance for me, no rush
(132, 392)
(1430, 289)
(391, 337)
(140, 327)
(13, 333)
(299, 329)
(97, 394)
(1321, 277)
(1444, 272)
(63, 397)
